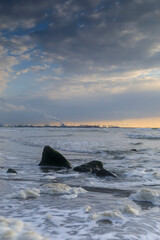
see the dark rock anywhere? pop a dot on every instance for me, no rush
(95, 167)
(133, 150)
(92, 166)
(104, 221)
(53, 160)
(10, 170)
(105, 173)
(51, 157)
(82, 169)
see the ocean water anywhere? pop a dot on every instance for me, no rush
(46, 205)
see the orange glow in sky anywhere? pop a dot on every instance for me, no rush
(139, 123)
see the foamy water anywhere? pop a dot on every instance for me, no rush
(43, 204)
(15, 229)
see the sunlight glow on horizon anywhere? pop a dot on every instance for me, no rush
(126, 123)
(135, 123)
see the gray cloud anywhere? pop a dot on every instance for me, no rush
(22, 14)
(105, 107)
(95, 49)
(119, 33)
(90, 33)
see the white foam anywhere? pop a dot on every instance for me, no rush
(60, 188)
(118, 215)
(49, 177)
(26, 193)
(112, 215)
(147, 195)
(68, 175)
(64, 190)
(12, 229)
(130, 210)
(87, 208)
(70, 196)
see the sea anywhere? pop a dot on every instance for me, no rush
(44, 204)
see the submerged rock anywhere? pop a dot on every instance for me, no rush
(133, 150)
(51, 157)
(94, 167)
(10, 170)
(105, 173)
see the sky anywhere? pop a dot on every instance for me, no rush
(78, 61)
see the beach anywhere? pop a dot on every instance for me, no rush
(43, 204)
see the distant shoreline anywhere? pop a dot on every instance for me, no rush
(71, 126)
(54, 126)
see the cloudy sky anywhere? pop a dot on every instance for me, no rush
(79, 61)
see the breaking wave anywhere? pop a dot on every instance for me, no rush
(144, 136)
(66, 191)
(147, 195)
(27, 193)
(118, 215)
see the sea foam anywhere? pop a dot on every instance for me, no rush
(26, 193)
(147, 195)
(66, 191)
(121, 214)
(112, 216)
(12, 229)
